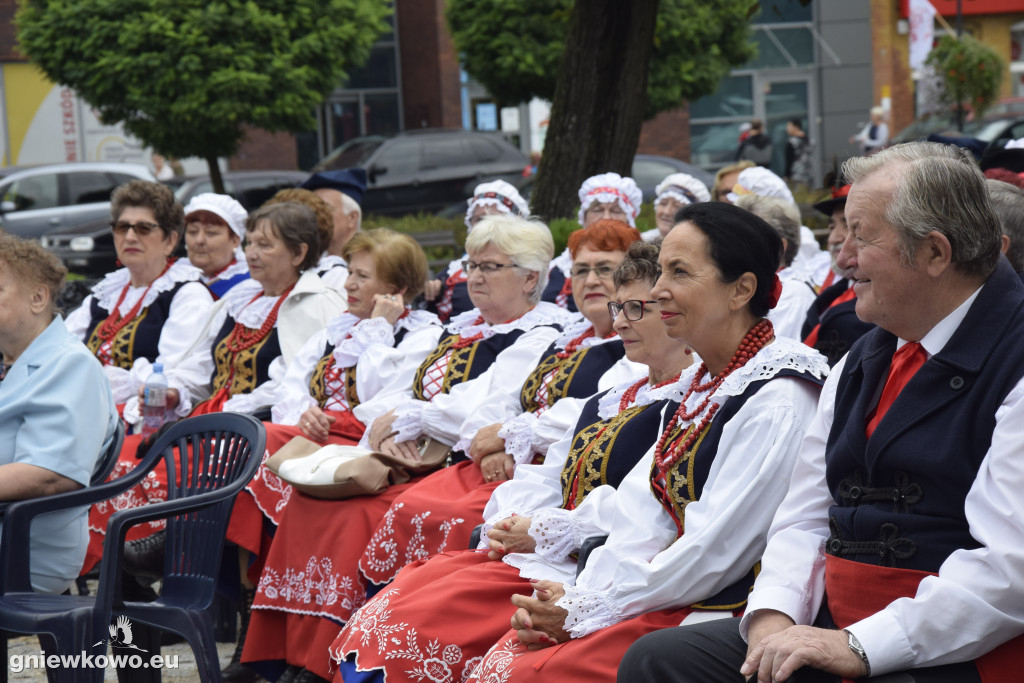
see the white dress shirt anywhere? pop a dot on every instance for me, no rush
(971, 606)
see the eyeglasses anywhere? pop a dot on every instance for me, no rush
(581, 271)
(142, 228)
(487, 267)
(634, 309)
(611, 210)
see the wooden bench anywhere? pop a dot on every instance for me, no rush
(440, 246)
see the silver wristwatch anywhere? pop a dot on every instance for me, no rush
(858, 649)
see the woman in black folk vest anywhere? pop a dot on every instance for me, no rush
(535, 520)
(689, 521)
(483, 356)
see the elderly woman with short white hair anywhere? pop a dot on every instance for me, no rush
(482, 359)
(673, 193)
(446, 294)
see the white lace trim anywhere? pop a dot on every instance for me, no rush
(237, 268)
(608, 405)
(454, 266)
(563, 262)
(108, 290)
(575, 329)
(554, 533)
(408, 421)
(360, 335)
(781, 354)
(466, 324)
(518, 436)
(241, 307)
(587, 611)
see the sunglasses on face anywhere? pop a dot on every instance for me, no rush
(633, 308)
(142, 228)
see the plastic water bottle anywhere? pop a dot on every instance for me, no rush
(154, 401)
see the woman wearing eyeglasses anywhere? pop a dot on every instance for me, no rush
(460, 599)
(586, 358)
(446, 294)
(147, 310)
(248, 338)
(483, 356)
(606, 196)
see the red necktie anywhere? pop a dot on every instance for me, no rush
(907, 360)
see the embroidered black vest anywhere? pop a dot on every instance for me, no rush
(840, 326)
(318, 382)
(684, 481)
(899, 497)
(247, 369)
(140, 337)
(604, 451)
(466, 363)
(460, 300)
(556, 280)
(576, 375)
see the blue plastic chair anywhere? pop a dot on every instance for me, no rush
(209, 458)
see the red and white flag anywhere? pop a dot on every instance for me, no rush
(922, 31)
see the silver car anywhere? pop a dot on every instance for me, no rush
(38, 200)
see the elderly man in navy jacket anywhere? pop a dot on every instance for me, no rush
(899, 547)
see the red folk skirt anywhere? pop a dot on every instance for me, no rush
(311, 582)
(436, 515)
(856, 591)
(594, 657)
(450, 608)
(264, 498)
(152, 489)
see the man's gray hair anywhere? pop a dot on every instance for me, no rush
(350, 206)
(782, 215)
(1008, 204)
(937, 187)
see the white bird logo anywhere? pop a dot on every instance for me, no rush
(124, 627)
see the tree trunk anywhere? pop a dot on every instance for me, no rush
(216, 179)
(599, 101)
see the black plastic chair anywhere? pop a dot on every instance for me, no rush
(209, 458)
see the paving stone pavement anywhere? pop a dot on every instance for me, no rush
(186, 670)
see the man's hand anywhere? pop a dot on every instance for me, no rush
(778, 655)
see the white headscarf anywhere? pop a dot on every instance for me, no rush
(611, 187)
(500, 194)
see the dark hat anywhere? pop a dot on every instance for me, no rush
(838, 197)
(350, 181)
(1011, 159)
(973, 145)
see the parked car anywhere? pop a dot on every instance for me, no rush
(250, 188)
(88, 248)
(38, 200)
(1003, 122)
(426, 170)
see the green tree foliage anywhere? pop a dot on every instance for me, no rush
(970, 73)
(518, 55)
(186, 76)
